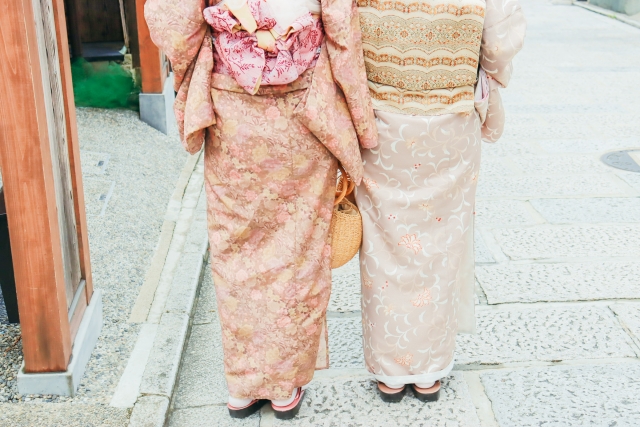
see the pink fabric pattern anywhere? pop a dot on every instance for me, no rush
(237, 52)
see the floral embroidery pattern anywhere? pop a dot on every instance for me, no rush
(370, 184)
(411, 241)
(419, 274)
(422, 299)
(404, 360)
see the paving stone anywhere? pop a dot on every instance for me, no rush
(605, 395)
(629, 316)
(201, 381)
(162, 368)
(482, 252)
(354, 402)
(496, 167)
(345, 290)
(506, 147)
(544, 333)
(559, 165)
(150, 411)
(563, 108)
(591, 210)
(345, 342)
(593, 185)
(511, 335)
(207, 305)
(184, 285)
(633, 179)
(559, 282)
(566, 126)
(500, 213)
(598, 146)
(209, 416)
(546, 242)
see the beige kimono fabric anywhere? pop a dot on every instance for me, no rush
(270, 170)
(417, 201)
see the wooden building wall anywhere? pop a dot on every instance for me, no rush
(99, 20)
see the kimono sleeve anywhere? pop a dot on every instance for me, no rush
(502, 39)
(178, 28)
(344, 43)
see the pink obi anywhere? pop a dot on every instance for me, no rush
(266, 54)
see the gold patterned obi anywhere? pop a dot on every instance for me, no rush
(422, 55)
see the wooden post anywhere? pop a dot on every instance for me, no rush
(153, 67)
(43, 185)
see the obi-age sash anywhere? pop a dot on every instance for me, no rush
(261, 42)
(422, 55)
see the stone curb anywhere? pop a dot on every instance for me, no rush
(175, 316)
(143, 303)
(161, 371)
(609, 13)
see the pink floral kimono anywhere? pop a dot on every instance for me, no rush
(271, 153)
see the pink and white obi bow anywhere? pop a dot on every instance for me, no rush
(255, 50)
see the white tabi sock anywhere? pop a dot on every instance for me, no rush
(394, 386)
(425, 385)
(239, 403)
(285, 402)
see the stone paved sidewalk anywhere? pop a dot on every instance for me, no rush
(558, 262)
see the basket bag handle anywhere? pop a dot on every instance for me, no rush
(345, 186)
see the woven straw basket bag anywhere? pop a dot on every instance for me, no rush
(346, 224)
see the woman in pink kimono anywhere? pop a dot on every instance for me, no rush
(434, 71)
(257, 84)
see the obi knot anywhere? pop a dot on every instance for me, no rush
(256, 49)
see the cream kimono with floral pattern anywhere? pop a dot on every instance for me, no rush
(270, 175)
(417, 200)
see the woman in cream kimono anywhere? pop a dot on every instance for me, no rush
(257, 84)
(434, 71)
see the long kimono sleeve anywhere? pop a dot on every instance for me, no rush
(178, 28)
(502, 39)
(344, 43)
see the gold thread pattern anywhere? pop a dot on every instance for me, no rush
(422, 57)
(414, 60)
(404, 34)
(421, 6)
(419, 80)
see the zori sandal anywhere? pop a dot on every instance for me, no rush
(430, 394)
(390, 395)
(289, 411)
(245, 411)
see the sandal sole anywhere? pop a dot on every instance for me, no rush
(291, 413)
(427, 397)
(246, 412)
(392, 397)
